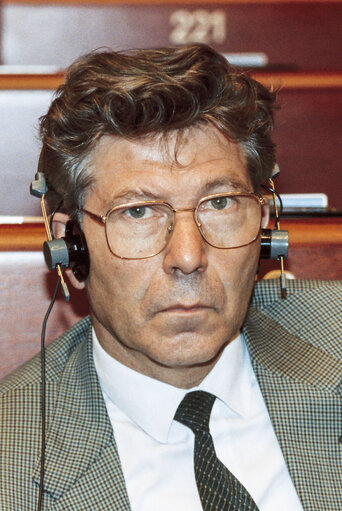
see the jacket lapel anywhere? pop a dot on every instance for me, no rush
(82, 466)
(301, 385)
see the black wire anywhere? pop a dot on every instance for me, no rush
(280, 211)
(43, 396)
(280, 203)
(52, 214)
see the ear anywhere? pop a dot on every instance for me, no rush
(58, 224)
(58, 227)
(265, 216)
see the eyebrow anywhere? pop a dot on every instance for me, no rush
(232, 184)
(209, 188)
(133, 196)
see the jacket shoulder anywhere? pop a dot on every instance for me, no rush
(20, 412)
(311, 311)
(267, 292)
(57, 354)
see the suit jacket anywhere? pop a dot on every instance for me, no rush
(295, 347)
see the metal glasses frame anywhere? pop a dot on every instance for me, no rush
(102, 219)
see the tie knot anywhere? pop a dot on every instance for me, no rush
(194, 410)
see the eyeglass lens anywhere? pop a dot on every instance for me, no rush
(144, 229)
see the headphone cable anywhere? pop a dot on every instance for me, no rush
(43, 396)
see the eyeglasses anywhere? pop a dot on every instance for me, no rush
(139, 230)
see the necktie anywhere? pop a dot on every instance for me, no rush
(218, 488)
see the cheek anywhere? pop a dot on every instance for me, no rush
(237, 270)
(117, 284)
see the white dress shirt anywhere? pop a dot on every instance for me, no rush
(156, 452)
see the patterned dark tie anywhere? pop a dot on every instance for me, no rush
(218, 488)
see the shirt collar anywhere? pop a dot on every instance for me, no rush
(152, 404)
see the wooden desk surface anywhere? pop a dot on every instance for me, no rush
(302, 231)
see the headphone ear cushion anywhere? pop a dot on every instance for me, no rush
(77, 250)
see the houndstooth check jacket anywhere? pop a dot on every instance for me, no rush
(296, 351)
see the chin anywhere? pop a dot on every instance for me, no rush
(190, 353)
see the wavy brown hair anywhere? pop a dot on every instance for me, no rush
(147, 92)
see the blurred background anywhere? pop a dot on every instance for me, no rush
(296, 45)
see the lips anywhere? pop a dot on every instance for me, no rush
(185, 308)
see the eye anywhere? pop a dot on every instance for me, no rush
(219, 202)
(139, 212)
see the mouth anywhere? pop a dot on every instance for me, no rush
(186, 309)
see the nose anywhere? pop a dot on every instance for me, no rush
(187, 251)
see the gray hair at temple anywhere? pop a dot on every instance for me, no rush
(145, 93)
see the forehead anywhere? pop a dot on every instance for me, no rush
(182, 163)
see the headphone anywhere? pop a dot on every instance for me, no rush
(274, 242)
(71, 250)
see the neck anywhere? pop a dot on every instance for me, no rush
(178, 375)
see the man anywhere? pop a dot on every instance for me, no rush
(158, 156)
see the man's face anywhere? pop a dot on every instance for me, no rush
(168, 316)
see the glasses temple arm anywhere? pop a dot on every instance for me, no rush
(100, 219)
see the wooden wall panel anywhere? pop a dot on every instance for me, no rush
(19, 148)
(308, 136)
(302, 34)
(306, 35)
